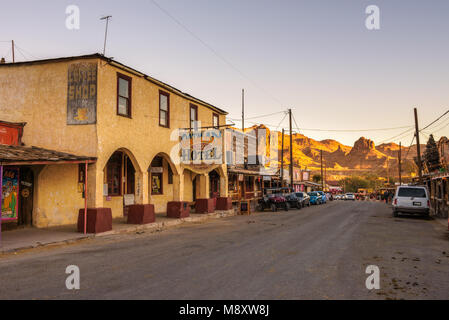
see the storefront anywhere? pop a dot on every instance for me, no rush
(41, 187)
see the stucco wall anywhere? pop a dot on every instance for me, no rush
(57, 201)
(37, 95)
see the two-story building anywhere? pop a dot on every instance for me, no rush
(102, 109)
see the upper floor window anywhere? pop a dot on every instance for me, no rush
(123, 95)
(215, 120)
(164, 109)
(193, 115)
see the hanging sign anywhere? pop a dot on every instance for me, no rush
(10, 191)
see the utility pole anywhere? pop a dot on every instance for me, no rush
(418, 147)
(400, 164)
(291, 148)
(388, 173)
(13, 56)
(325, 174)
(322, 176)
(282, 159)
(243, 110)
(106, 32)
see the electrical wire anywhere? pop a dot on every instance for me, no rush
(435, 120)
(215, 52)
(27, 52)
(262, 116)
(402, 134)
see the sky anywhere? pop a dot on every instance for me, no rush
(316, 57)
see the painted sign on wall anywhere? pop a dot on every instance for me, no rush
(10, 191)
(82, 93)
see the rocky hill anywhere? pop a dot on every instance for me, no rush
(341, 159)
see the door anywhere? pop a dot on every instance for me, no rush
(194, 189)
(214, 184)
(25, 217)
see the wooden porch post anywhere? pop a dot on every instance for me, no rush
(85, 199)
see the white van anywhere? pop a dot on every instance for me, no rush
(411, 199)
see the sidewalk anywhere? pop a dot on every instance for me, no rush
(33, 237)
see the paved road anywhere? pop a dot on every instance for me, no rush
(319, 252)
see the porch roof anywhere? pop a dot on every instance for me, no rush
(24, 155)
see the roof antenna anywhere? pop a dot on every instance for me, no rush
(106, 32)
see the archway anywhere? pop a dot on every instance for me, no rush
(214, 184)
(120, 181)
(161, 181)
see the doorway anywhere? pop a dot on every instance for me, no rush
(25, 216)
(214, 184)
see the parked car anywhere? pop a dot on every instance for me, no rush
(338, 197)
(350, 196)
(304, 198)
(273, 199)
(411, 199)
(323, 196)
(293, 200)
(315, 197)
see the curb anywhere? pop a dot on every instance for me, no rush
(159, 226)
(151, 227)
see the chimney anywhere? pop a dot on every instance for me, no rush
(2, 61)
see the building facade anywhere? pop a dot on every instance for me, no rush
(126, 120)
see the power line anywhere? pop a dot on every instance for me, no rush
(27, 52)
(216, 53)
(297, 126)
(435, 121)
(285, 115)
(397, 136)
(256, 117)
(413, 139)
(354, 130)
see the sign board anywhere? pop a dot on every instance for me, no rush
(82, 93)
(305, 175)
(9, 135)
(128, 199)
(157, 169)
(10, 192)
(244, 207)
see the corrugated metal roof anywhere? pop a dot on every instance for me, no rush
(23, 155)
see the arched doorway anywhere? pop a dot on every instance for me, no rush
(161, 188)
(120, 182)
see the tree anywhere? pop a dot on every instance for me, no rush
(352, 184)
(316, 178)
(431, 155)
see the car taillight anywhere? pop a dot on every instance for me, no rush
(428, 203)
(395, 202)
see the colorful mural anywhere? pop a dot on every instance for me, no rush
(10, 189)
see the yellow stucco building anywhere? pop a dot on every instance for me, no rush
(97, 107)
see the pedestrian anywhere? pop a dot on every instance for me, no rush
(386, 196)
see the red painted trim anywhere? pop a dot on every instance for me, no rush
(192, 106)
(168, 108)
(129, 79)
(85, 200)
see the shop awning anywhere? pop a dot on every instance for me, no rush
(24, 155)
(247, 172)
